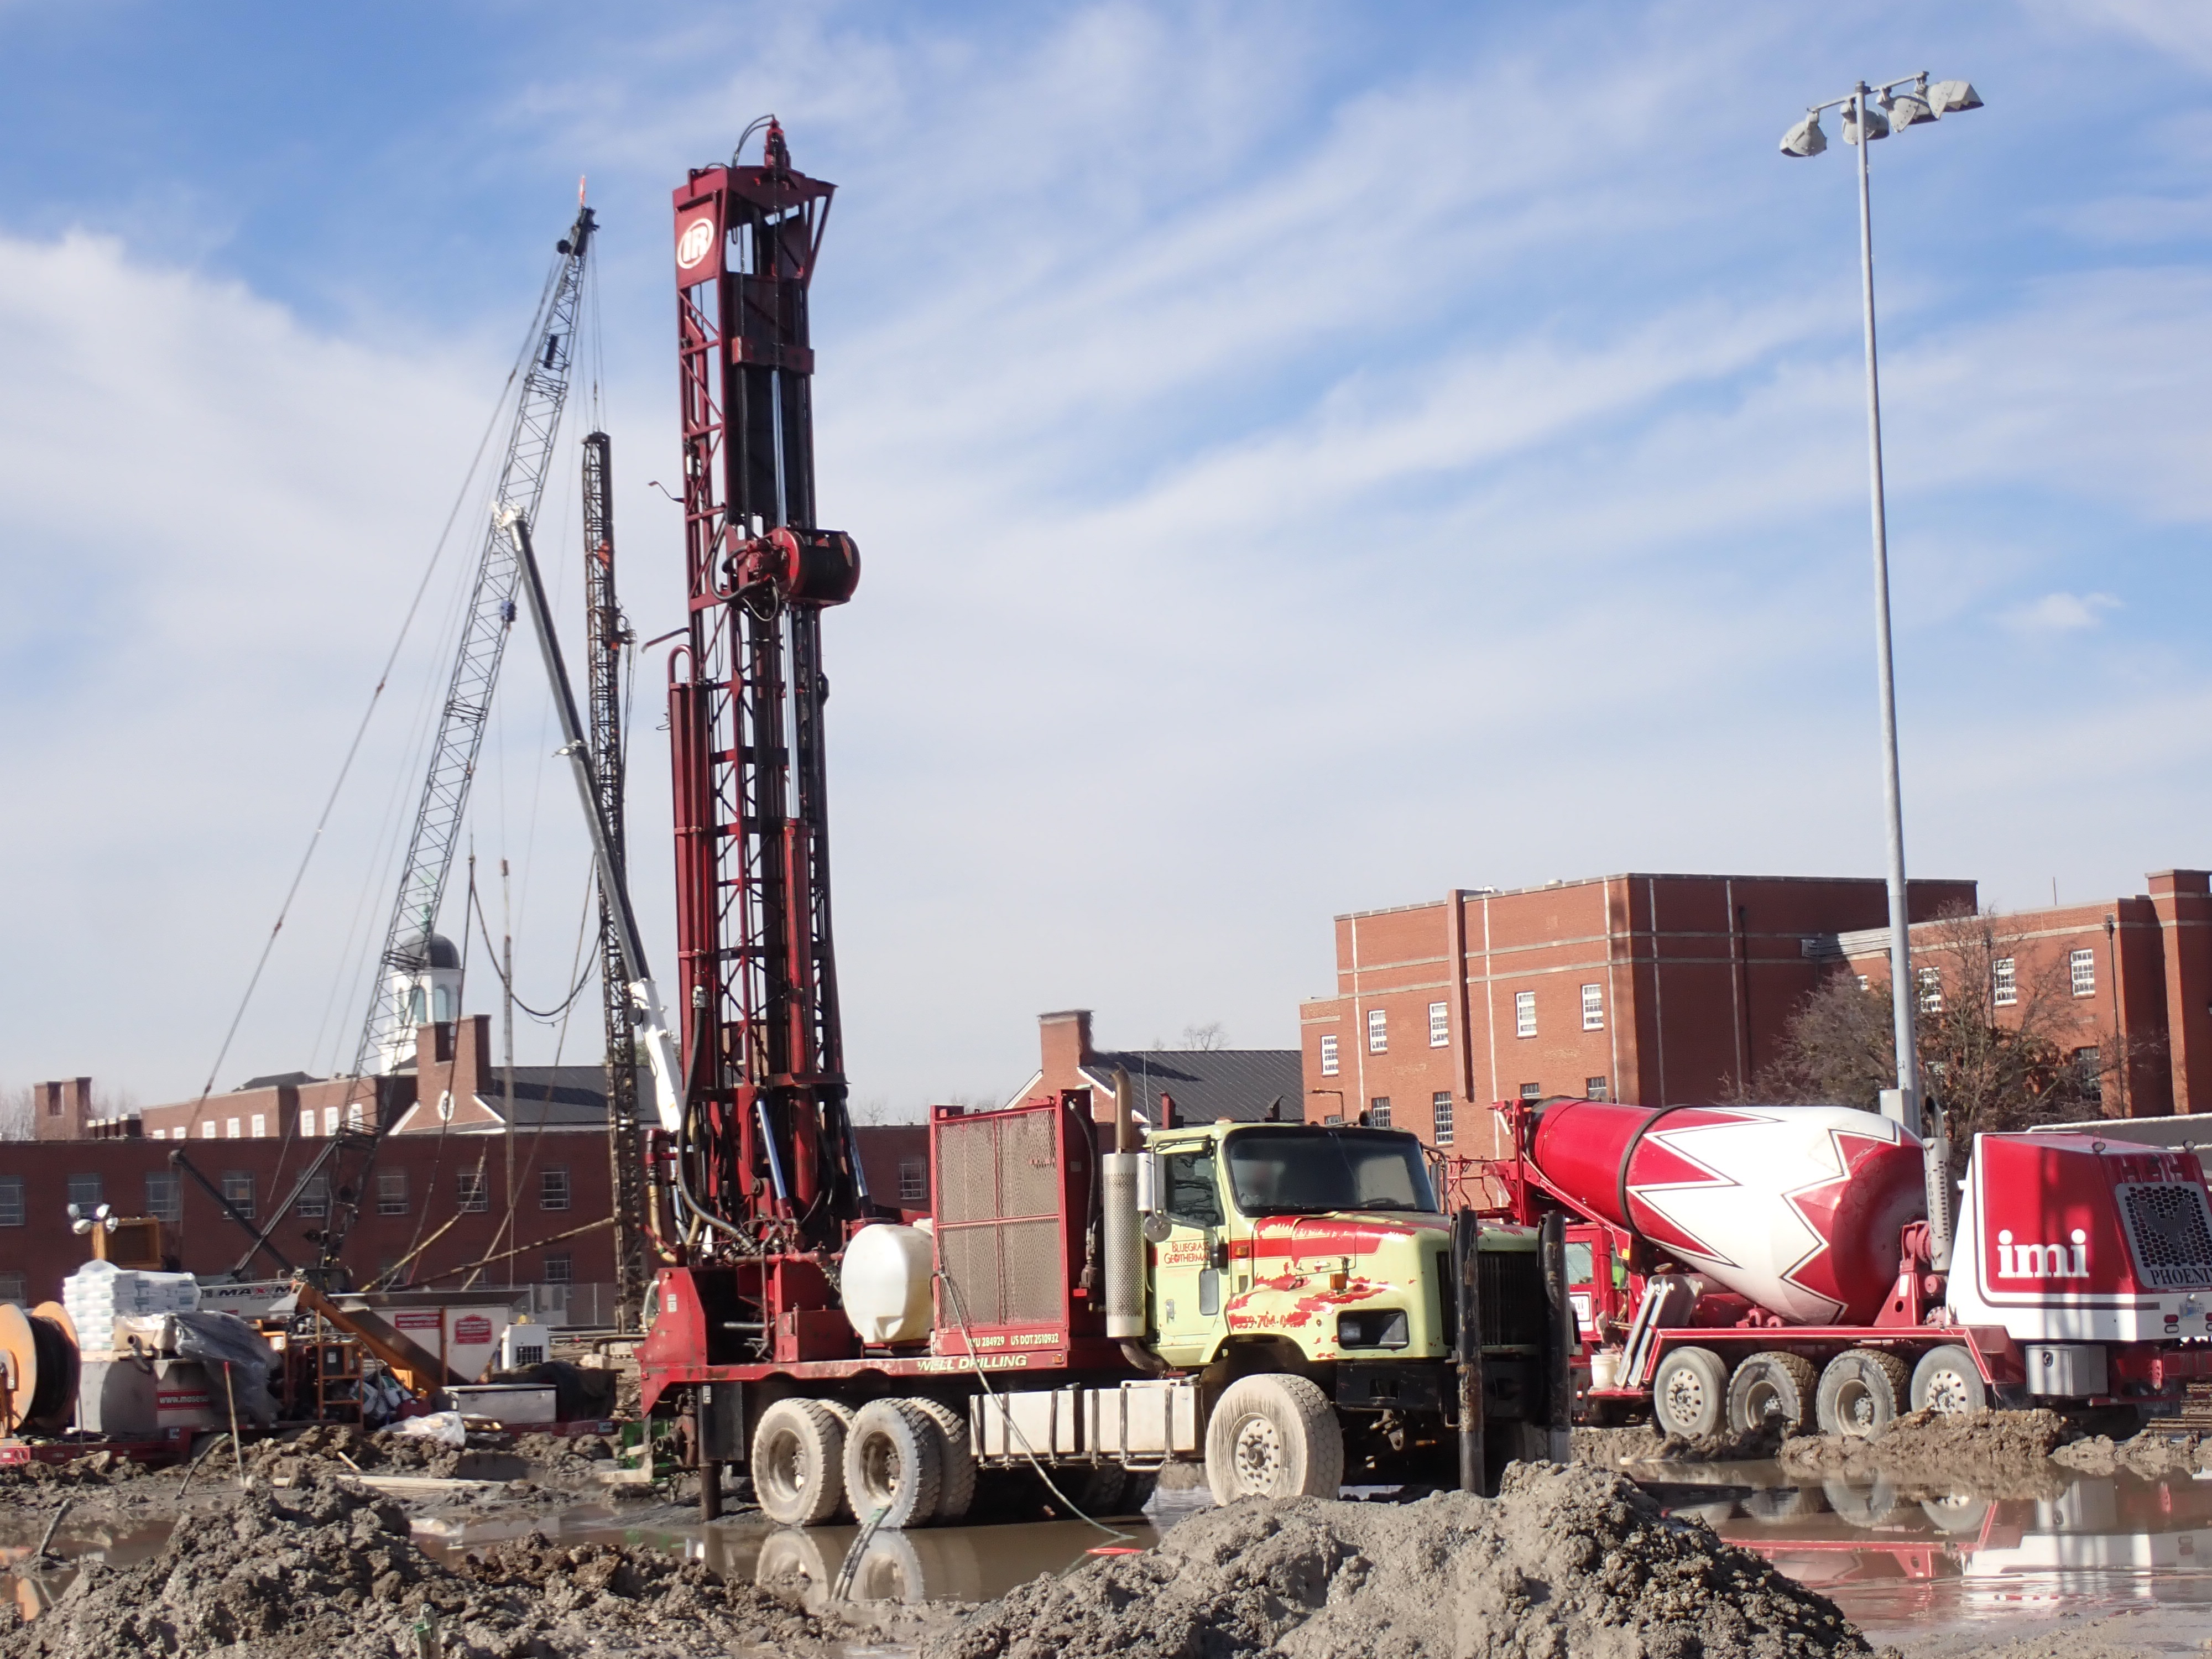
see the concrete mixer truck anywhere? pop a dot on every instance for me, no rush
(1737, 1266)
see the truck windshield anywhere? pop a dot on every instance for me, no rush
(1309, 1172)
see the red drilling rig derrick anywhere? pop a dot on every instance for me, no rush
(765, 1161)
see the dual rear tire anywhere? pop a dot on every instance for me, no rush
(907, 1461)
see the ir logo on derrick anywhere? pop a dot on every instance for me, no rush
(696, 243)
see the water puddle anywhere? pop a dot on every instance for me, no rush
(1908, 1569)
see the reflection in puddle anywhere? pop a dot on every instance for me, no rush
(1900, 1562)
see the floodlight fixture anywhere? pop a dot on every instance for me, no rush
(1877, 123)
(1906, 109)
(1949, 97)
(1806, 138)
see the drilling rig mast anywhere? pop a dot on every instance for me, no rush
(765, 1159)
(607, 637)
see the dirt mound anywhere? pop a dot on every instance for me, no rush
(103, 1468)
(1989, 1448)
(327, 1572)
(1612, 1448)
(564, 1455)
(1564, 1561)
(2152, 1452)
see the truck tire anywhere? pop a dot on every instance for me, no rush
(799, 1463)
(1862, 1392)
(1273, 1435)
(894, 1464)
(1689, 1392)
(1868, 1505)
(1946, 1380)
(1772, 1390)
(957, 1493)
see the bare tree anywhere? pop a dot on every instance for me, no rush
(16, 1122)
(1209, 1036)
(1998, 1033)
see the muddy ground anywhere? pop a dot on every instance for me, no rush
(326, 1570)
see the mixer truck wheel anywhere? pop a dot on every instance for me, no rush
(894, 1463)
(958, 1493)
(1946, 1380)
(1689, 1393)
(1861, 1393)
(1273, 1435)
(799, 1462)
(1770, 1389)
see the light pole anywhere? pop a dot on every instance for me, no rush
(1907, 102)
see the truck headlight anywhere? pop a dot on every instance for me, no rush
(1372, 1327)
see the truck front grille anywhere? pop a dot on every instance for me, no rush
(2170, 1227)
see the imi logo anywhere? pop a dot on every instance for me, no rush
(2043, 1260)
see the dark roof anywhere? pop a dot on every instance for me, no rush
(430, 950)
(1238, 1084)
(559, 1095)
(276, 1080)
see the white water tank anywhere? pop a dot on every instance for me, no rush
(885, 1278)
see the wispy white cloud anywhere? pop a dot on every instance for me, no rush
(2061, 613)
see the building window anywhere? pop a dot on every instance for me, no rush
(560, 1269)
(260, 1125)
(230, 1129)
(1593, 1007)
(330, 1120)
(553, 1187)
(391, 1191)
(306, 1123)
(238, 1188)
(208, 1129)
(1524, 1013)
(2082, 968)
(315, 1198)
(913, 1182)
(1440, 1109)
(1439, 1026)
(2004, 983)
(353, 1114)
(1378, 1112)
(15, 1287)
(11, 1200)
(164, 1199)
(1532, 1091)
(86, 1192)
(2089, 1068)
(1931, 989)
(1329, 1056)
(1378, 1031)
(469, 1188)
(1334, 1118)
(1593, 1088)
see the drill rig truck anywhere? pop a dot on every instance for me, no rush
(1284, 1304)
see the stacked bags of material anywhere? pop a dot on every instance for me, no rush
(99, 1293)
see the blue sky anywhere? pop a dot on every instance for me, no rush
(1305, 458)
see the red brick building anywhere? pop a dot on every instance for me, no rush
(1660, 989)
(2124, 986)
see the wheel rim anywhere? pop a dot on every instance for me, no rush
(1855, 1408)
(1762, 1401)
(787, 1468)
(879, 1468)
(1257, 1455)
(1948, 1395)
(1685, 1398)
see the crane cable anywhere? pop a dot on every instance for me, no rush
(360, 731)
